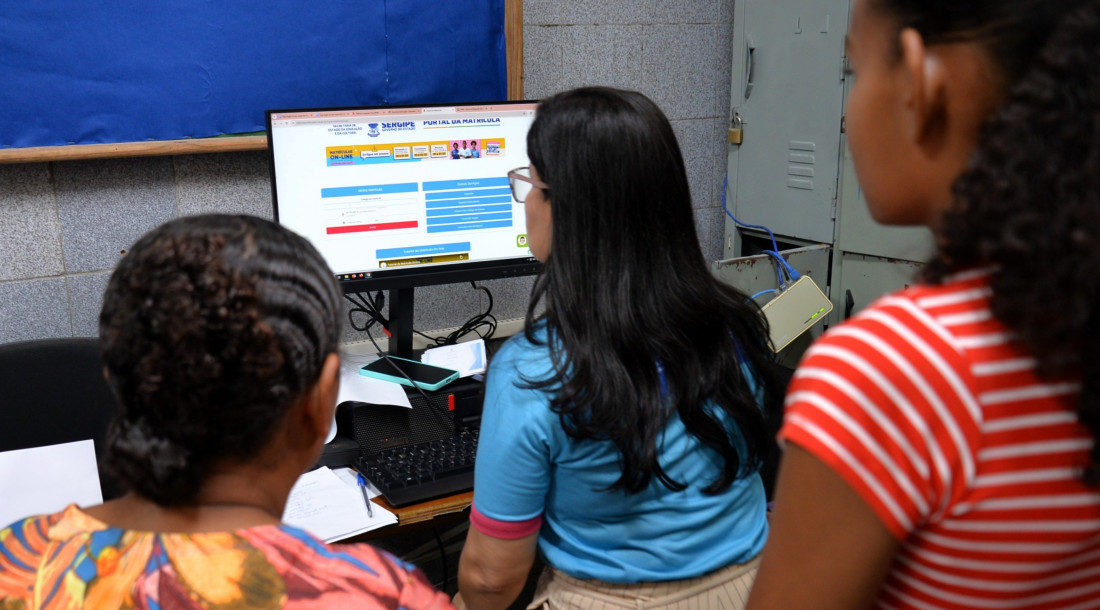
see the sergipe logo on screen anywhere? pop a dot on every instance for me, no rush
(373, 131)
(399, 126)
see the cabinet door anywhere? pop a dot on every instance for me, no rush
(858, 233)
(787, 88)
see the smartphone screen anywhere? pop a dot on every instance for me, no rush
(419, 372)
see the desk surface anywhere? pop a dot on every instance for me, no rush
(447, 510)
(449, 507)
(426, 511)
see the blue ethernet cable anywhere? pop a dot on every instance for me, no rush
(762, 293)
(725, 183)
(794, 275)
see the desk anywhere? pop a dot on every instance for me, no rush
(429, 535)
(329, 503)
(369, 424)
(372, 425)
(427, 511)
(448, 510)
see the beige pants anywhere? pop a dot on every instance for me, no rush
(723, 589)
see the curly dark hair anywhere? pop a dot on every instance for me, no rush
(626, 289)
(212, 327)
(1028, 204)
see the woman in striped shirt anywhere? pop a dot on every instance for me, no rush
(940, 446)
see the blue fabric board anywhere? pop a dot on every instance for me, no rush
(456, 59)
(104, 72)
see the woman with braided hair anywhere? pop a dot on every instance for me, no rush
(219, 336)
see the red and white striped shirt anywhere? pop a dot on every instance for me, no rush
(926, 405)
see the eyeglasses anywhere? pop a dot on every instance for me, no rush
(521, 182)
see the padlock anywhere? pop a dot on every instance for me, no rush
(736, 133)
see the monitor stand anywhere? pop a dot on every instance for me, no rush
(401, 322)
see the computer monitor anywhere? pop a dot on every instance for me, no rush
(400, 197)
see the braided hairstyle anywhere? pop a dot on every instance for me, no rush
(212, 327)
(1028, 204)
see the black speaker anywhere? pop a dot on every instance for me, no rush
(445, 413)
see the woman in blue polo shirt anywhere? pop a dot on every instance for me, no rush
(622, 431)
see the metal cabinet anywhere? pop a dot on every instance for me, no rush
(869, 259)
(791, 171)
(788, 92)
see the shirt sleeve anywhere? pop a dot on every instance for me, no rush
(883, 401)
(512, 470)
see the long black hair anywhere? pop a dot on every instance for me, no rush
(625, 288)
(1028, 204)
(211, 328)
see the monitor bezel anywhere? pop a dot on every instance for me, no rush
(411, 277)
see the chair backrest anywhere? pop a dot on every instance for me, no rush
(773, 419)
(53, 391)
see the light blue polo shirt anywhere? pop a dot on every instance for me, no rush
(528, 466)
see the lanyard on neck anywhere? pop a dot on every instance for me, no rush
(661, 376)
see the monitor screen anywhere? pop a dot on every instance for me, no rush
(404, 196)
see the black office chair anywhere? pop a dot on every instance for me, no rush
(53, 391)
(773, 419)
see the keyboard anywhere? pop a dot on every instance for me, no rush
(422, 471)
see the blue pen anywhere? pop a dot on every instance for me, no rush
(366, 498)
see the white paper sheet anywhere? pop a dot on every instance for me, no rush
(350, 477)
(354, 386)
(44, 480)
(467, 358)
(330, 509)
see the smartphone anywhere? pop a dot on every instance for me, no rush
(426, 376)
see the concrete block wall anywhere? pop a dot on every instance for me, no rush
(64, 225)
(677, 52)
